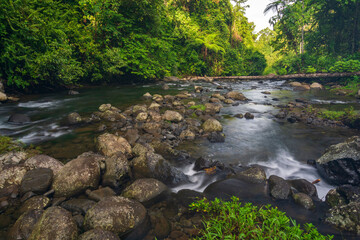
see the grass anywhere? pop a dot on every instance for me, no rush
(235, 220)
(198, 107)
(348, 113)
(7, 144)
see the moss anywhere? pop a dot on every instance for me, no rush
(7, 144)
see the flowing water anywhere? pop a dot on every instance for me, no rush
(281, 147)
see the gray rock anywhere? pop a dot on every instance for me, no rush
(146, 190)
(236, 96)
(345, 217)
(100, 193)
(37, 181)
(109, 144)
(216, 137)
(340, 163)
(55, 224)
(98, 234)
(44, 161)
(304, 186)
(249, 115)
(77, 175)
(73, 92)
(117, 169)
(303, 200)
(12, 158)
(24, 225)
(74, 118)
(19, 118)
(35, 203)
(116, 214)
(78, 205)
(278, 187)
(187, 135)
(253, 174)
(152, 165)
(12, 175)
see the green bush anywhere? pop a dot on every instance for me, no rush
(234, 220)
(346, 66)
(310, 69)
(7, 144)
(347, 114)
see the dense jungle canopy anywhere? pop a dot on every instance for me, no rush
(65, 42)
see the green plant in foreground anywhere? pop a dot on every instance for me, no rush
(198, 107)
(236, 220)
(7, 144)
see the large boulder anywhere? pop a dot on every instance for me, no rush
(304, 186)
(278, 187)
(316, 85)
(212, 125)
(109, 144)
(116, 214)
(253, 174)
(172, 116)
(341, 162)
(152, 165)
(236, 96)
(98, 234)
(24, 225)
(3, 97)
(37, 181)
(345, 217)
(56, 224)
(77, 175)
(146, 190)
(212, 108)
(44, 161)
(117, 168)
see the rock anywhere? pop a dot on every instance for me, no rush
(212, 108)
(148, 191)
(216, 137)
(198, 89)
(13, 99)
(202, 163)
(236, 96)
(74, 118)
(139, 108)
(249, 115)
(3, 97)
(158, 98)
(19, 118)
(24, 225)
(171, 79)
(100, 193)
(253, 174)
(333, 198)
(341, 162)
(266, 92)
(278, 187)
(165, 87)
(109, 144)
(77, 175)
(55, 224)
(12, 175)
(73, 92)
(152, 165)
(152, 127)
(345, 217)
(187, 135)
(37, 181)
(303, 87)
(304, 186)
(141, 117)
(105, 107)
(212, 125)
(303, 200)
(35, 203)
(182, 96)
(161, 226)
(214, 100)
(12, 158)
(154, 106)
(147, 96)
(239, 115)
(2, 89)
(98, 234)
(172, 116)
(78, 205)
(116, 214)
(316, 85)
(117, 169)
(295, 84)
(44, 161)
(132, 135)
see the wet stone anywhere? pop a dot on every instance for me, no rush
(37, 181)
(78, 205)
(100, 193)
(35, 203)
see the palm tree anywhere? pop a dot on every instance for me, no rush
(276, 5)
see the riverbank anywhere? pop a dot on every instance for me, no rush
(150, 122)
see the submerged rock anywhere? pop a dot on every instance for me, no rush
(236, 96)
(55, 224)
(216, 137)
(19, 118)
(341, 162)
(77, 175)
(116, 214)
(303, 200)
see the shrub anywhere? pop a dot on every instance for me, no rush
(346, 66)
(310, 69)
(7, 144)
(234, 220)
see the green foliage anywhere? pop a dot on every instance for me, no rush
(346, 66)
(234, 220)
(310, 69)
(7, 144)
(65, 42)
(347, 114)
(198, 107)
